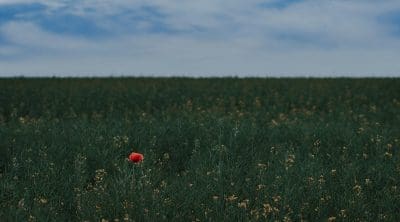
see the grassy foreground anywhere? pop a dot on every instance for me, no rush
(214, 149)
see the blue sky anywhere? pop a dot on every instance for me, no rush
(200, 38)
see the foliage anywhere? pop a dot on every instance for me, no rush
(218, 149)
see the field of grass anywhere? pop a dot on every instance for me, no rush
(214, 149)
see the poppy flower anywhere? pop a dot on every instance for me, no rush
(136, 157)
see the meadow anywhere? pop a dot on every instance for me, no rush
(215, 149)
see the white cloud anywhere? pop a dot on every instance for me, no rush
(235, 37)
(31, 36)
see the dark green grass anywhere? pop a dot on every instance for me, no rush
(215, 149)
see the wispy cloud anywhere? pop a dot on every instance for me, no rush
(291, 37)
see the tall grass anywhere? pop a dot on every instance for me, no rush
(214, 149)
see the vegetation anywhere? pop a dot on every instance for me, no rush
(223, 149)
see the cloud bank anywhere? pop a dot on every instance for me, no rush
(200, 38)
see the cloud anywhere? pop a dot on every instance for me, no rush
(289, 37)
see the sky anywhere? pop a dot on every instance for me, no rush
(200, 38)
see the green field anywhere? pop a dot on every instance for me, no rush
(223, 149)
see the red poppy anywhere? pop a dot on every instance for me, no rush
(136, 157)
